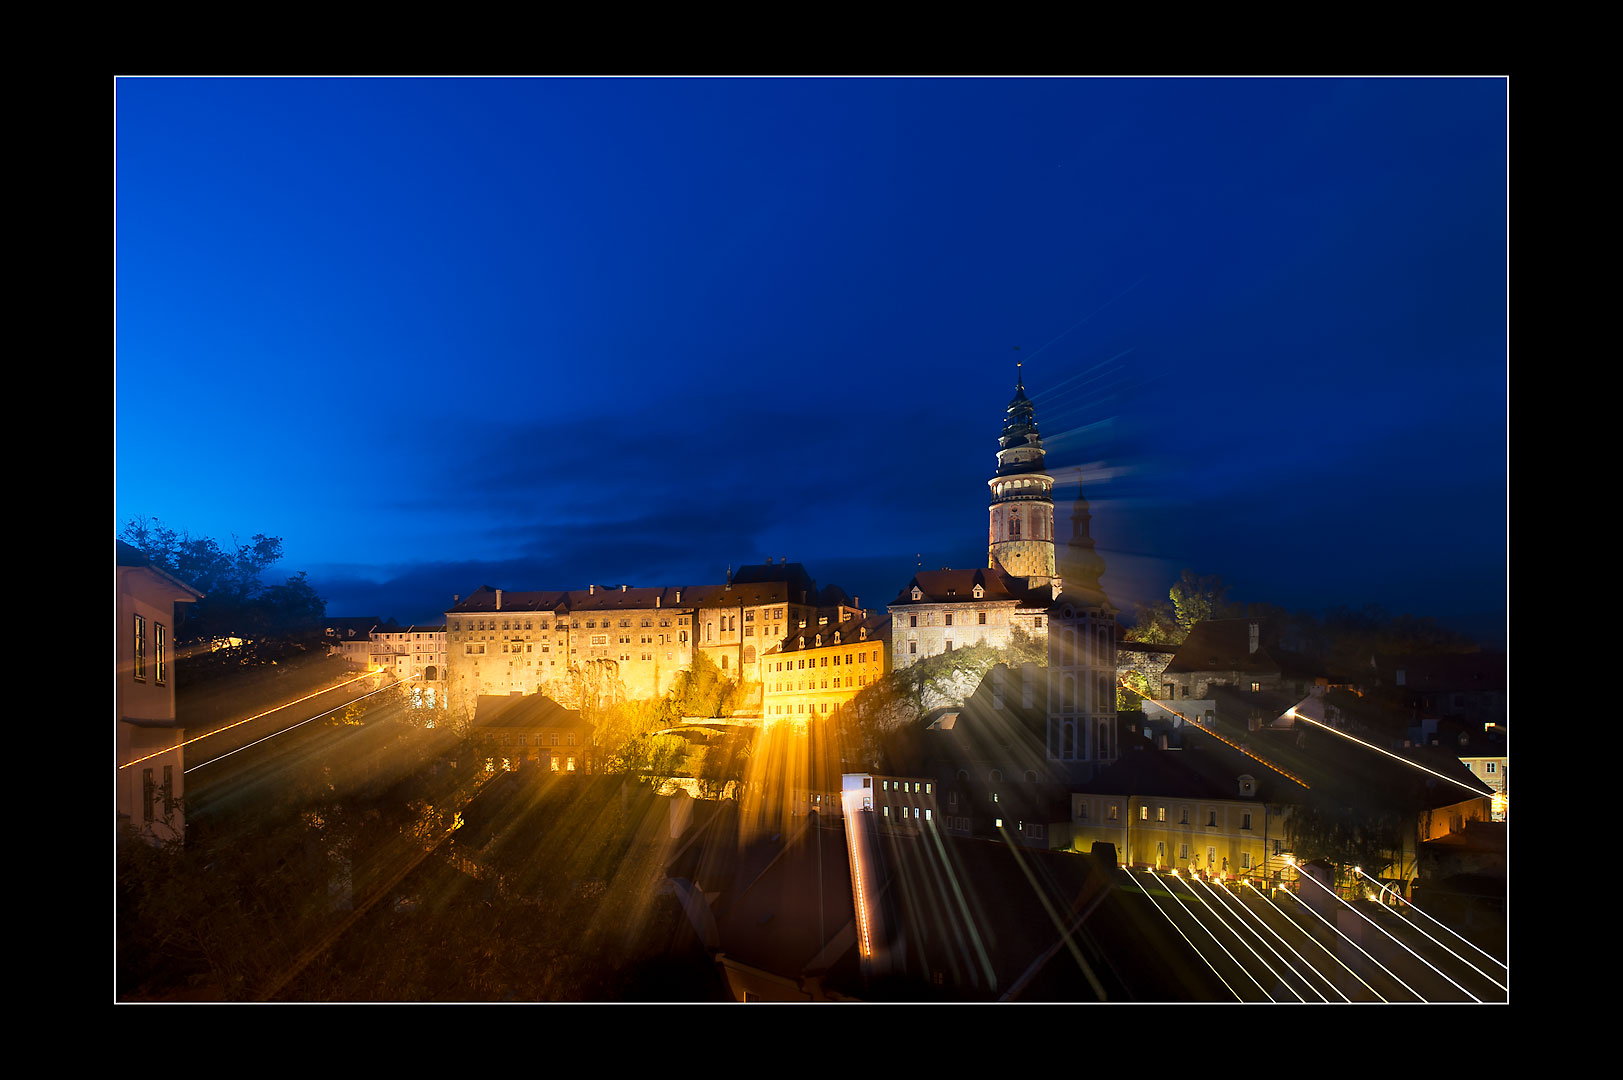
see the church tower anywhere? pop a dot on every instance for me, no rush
(1020, 539)
(1082, 725)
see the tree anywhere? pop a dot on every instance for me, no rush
(1157, 624)
(236, 601)
(1198, 598)
(1346, 836)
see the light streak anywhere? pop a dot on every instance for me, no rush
(267, 712)
(1053, 916)
(1395, 757)
(1194, 723)
(1400, 944)
(1433, 940)
(1213, 936)
(859, 887)
(963, 908)
(1230, 906)
(1218, 915)
(1327, 952)
(1361, 949)
(281, 731)
(1181, 934)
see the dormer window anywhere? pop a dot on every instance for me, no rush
(979, 592)
(917, 592)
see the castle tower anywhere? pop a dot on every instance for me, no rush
(1020, 537)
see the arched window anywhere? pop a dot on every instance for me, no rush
(1014, 524)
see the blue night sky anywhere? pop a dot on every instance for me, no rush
(535, 333)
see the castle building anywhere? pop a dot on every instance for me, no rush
(940, 610)
(820, 667)
(620, 642)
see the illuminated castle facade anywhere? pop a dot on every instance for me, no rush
(940, 610)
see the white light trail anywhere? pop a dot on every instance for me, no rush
(281, 731)
(1230, 906)
(1214, 937)
(1327, 952)
(1219, 916)
(1405, 948)
(267, 712)
(1433, 940)
(1053, 916)
(1193, 947)
(1395, 757)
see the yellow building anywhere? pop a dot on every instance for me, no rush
(818, 668)
(1206, 810)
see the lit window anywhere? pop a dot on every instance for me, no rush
(159, 655)
(1160, 813)
(140, 647)
(571, 766)
(1143, 813)
(997, 823)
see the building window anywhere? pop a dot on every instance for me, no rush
(981, 615)
(1143, 813)
(146, 795)
(571, 765)
(159, 655)
(948, 617)
(1245, 860)
(1212, 820)
(912, 620)
(912, 648)
(1493, 766)
(1256, 688)
(1185, 819)
(140, 648)
(1113, 813)
(1160, 813)
(1245, 821)
(168, 790)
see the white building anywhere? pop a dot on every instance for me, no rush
(149, 785)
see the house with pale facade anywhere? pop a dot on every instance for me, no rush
(149, 784)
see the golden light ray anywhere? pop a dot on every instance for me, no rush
(256, 716)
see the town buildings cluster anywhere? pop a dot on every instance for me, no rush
(1241, 734)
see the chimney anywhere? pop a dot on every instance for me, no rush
(456, 598)
(1255, 629)
(622, 588)
(656, 599)
(498, 599)
(678, 596)
(591, 590)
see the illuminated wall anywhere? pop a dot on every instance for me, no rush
(819, 678)
(1239, 838)
(148, 791)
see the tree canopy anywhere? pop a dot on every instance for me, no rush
(236, 600)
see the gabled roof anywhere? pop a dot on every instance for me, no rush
(958, 587)
(850, 632)
(131, 557)
(527, 711)
(1225, 645)
(1199, 771)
